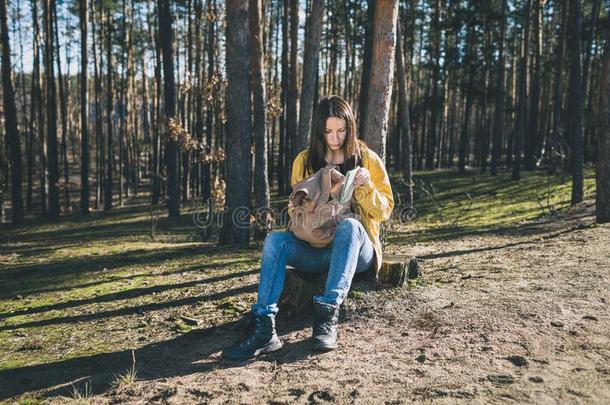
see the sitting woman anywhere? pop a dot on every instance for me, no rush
(355, 247)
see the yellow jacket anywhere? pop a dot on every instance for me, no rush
(372, 204)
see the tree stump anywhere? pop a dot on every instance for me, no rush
(300, 286)
(299, 290)
(396, 269)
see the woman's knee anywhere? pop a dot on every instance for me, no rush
(350, 227)
(275, 239)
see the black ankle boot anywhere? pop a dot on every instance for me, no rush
(262, 340)
(325, 326)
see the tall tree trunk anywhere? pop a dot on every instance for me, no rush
(185, 105)
(99, 139)
(38, 110)
(602, 178)
(464, 146)
(63, 115)
(29, 135)
(576, 103)
(588, 43)
(498, 133)
(109, 114)
(380, 85)
(283, 164)
(84, 172)
(166, 37)
(10, 121)
(510, 144)
(555, 148)
(310, 71)
(521, 125)
(531, 144)
(49, 7)
(405, 120)
(211, 107)
(198, 124)
(238, 161)
(485, 130)
(367, 59)
(123, 109)
(257, 66)
(434, 97)
(156, 111)
(274, 38)
(293, 93)
(132, 155)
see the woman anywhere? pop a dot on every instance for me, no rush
(355, 248)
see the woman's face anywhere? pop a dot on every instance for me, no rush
(335, 133)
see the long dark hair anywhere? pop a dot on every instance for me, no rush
(337, 107)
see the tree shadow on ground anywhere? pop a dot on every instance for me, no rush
(44, 287)
(197, 351)
(126, 294)
(30, 278)
(193, 352)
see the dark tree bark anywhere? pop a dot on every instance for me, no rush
(99, 139)
(464, 146)
(405, 120)
(310, 72)
(186, 107)
(485, 127)
(210, 125)
(63, 116)
(555, 146)
(283, 164)
(109, 115)
(602, 177)
(532, 139)
(84, 172)
(37, 121)
(238, 162)
(198, 101)
(29, 141)
(380, 86)
(273, 74)
(10, 121)
(521, 125)
(293, 91)
(434, 96)
(589, 35)
(261, 183)
(367, 58)
(498, 133)
(155, 113)
(166, 37)
(576, 103)
(49, 7)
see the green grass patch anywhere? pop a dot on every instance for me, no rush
(448, 205)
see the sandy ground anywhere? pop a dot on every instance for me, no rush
(513, 316)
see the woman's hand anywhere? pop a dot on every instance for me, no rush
(363, 176)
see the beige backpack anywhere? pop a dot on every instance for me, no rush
(319, 203)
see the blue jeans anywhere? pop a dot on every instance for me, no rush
(351, 252)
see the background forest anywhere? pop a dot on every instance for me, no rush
(129, 128)
(105, 101)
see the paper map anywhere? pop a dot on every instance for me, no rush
(348, 186)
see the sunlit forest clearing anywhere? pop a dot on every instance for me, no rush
(134, 132)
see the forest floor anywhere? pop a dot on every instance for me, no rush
(513, 306)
